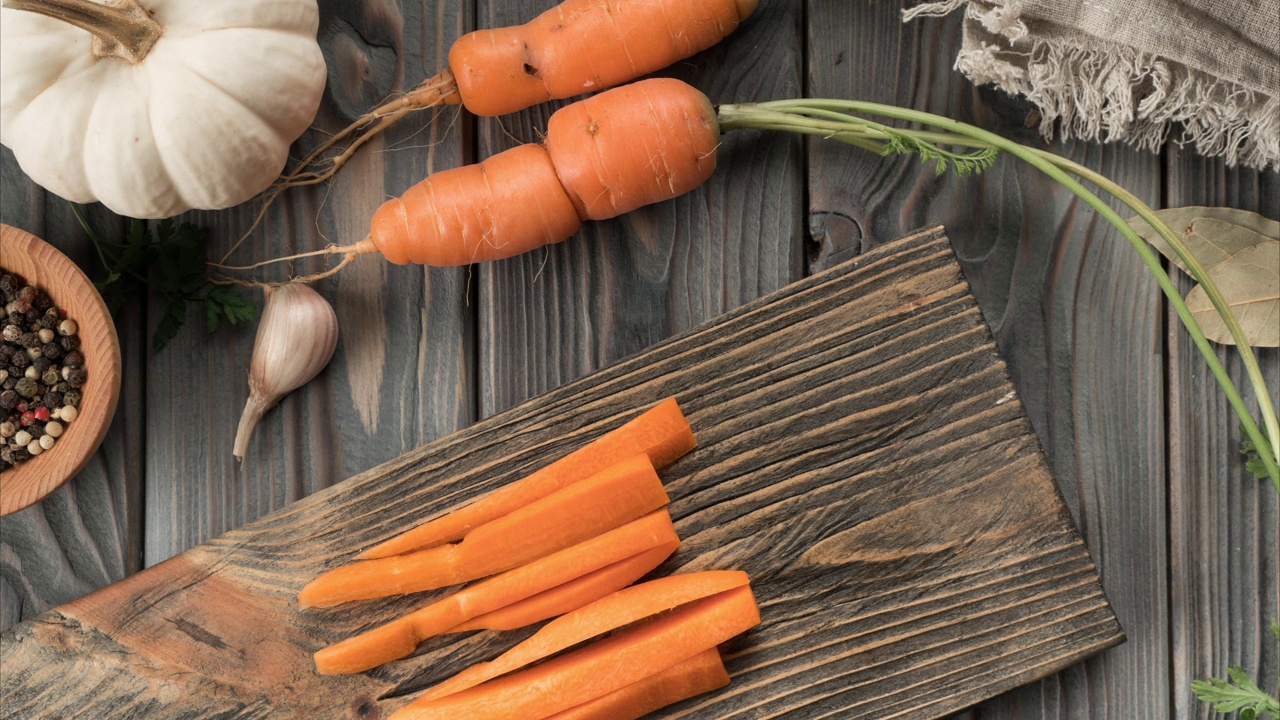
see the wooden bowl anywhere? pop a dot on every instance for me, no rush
(42, 265)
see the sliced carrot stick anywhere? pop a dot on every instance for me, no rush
(622, 608)
(571, 595)
(609, 499)
(400, 637)
(600, 668)
(700, 674)
(661, 432)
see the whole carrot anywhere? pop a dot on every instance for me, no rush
(603, 156)
(576, 47)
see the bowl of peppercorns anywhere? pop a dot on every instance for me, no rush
(59, 369)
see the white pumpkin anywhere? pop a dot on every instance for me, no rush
(186, 104)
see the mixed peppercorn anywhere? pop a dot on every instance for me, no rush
(41, 371)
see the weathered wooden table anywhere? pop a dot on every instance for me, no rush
(1140, 438)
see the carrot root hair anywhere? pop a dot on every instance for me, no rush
(349, 254)
(315, 168)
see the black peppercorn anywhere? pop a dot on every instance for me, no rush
(69, 342)
(9, 399)
(31, 315)
(75, 358)
(52, 400)
(29, 340)
(26, 387)
(51, 377)
(72, 398)
(76, 376)
(42, 302)
(41, 364)
(20, 360)
(52, 351)
(62, 387)
(9, 383)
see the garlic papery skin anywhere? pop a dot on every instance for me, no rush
(296, 338)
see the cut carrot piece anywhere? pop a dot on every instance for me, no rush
(661, 432)
(609, 499)
(607, 614)
(400, 637)
(571, 595)
(603, 667)
(700, 674)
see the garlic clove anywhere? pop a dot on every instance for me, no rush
(296, 338)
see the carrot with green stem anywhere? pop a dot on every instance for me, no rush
(656, 139)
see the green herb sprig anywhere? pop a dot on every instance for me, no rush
(1239, 692)
(169, 260)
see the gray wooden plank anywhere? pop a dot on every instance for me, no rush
(86, 534)
(402, 372)
(1071, 307)
(1225, 531)
(622, 285)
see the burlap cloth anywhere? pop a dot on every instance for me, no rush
(1131, 70)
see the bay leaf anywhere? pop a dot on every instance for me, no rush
(1250, 283)
(1211, 244)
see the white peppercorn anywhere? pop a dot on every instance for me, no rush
(68, 414)
(68, 327)
(47, 441)
(34, 448)
(53, 428)
(22, 438)
(46, 335)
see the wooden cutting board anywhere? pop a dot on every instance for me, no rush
(861, 454)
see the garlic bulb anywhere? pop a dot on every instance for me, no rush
(296, 337)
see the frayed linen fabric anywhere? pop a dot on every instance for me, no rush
(1207, 71)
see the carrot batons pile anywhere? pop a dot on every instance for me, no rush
(565, 542)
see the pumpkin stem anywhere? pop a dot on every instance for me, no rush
(120, 28)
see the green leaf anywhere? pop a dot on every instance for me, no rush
(174, 316)
(1208, 247)
(1240, 251)
(1238, 693)
(1250, 283)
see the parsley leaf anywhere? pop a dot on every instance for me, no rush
(168, 260)
(1239, 692)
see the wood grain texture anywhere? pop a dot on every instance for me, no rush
(402, 374)
(1224, 539)
(1072, 309)
(88, 533)
(43, 265)
(861, 454)
(621, 285)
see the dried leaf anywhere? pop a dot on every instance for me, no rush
(1250, 283)
(1208, 247)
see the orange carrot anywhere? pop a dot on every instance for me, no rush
(700, 674)
(571, 595)
(600, 668)
(661, 432)
(579, 46)
(400, 637)
(609, 499)
(626, 147)
(622, 608)
(610, 166)
(474, 212)
(630, 146)
(583, 46)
